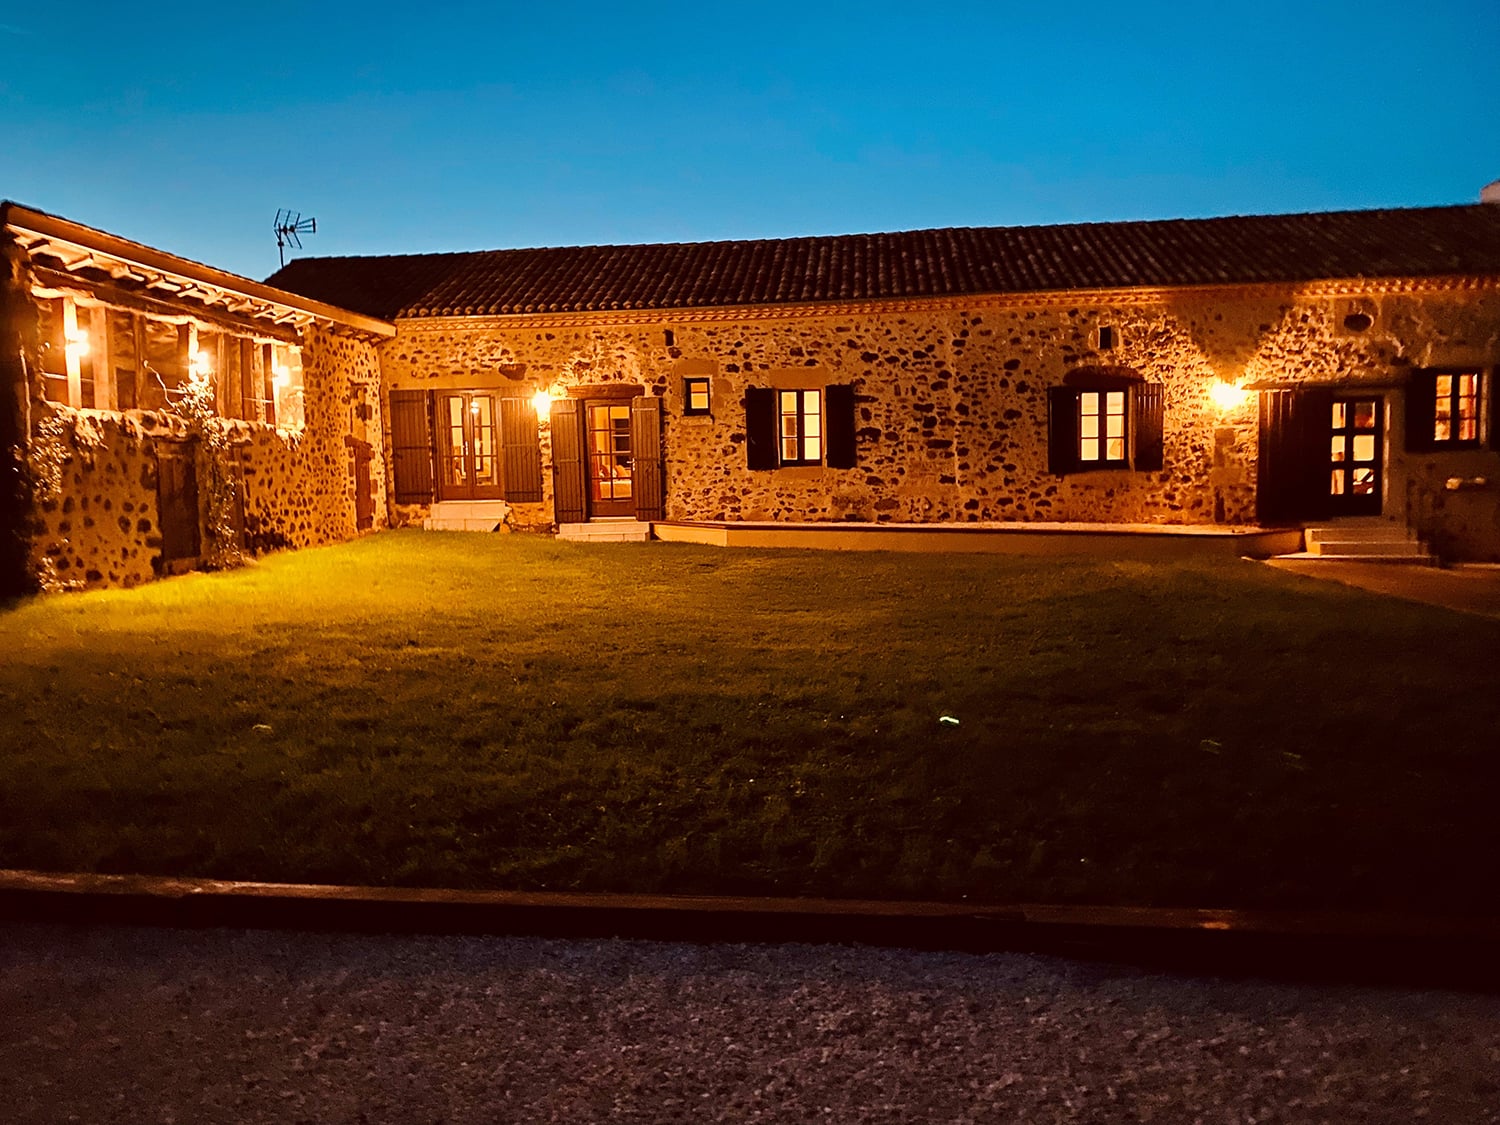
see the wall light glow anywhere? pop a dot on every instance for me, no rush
(1228, 396)
(543, 403)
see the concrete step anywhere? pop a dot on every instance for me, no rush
(1372, 541)
(605, 531)
(466, 515)
(1358, 533)
(1423, 559)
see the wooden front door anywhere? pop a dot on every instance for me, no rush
(467, 447)
(1356, 456)
(610, 464)
(177, 505)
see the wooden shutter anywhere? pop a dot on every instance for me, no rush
(1292, 466)
(645, 451)
(1062, 430)
(1421, 410)
(411, 446)
(1150, 418)
(838, 422)
(567, 461)
(521, 449)
(1489, 394)
(760, 428)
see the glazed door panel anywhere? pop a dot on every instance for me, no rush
(1356, 451)
(468, 447)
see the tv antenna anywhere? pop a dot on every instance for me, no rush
(290, 227)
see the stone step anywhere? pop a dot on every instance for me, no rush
(1423, 559)
(1394, 547)
(605, 531)
(466, 515)
(1358, 533)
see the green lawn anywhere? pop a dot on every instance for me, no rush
(507, 711)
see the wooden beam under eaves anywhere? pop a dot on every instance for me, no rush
(163, 309)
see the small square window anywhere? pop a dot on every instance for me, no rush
(695, 398)
(1109, 336)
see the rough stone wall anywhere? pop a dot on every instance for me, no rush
(96, 521)
(299, 486)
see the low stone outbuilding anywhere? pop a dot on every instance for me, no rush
(159, 414)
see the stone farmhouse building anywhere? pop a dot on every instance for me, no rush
(1199, 377)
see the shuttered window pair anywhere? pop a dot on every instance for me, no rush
(572, 463)
(1113, 425)
(412, 453)
(803, 426)
(1446, 409)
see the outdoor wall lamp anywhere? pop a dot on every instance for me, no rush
(76, 344)
(1228, 396)
(543, 403)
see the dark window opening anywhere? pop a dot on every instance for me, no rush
(1107, 338)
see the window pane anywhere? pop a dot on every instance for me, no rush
(1117, 402)
(1116, 426)
(1339, 442)
(1364, 415)
(1444, 386)
(1336, 485)
(1364, 447)
(1088, 403)
(1116, 449)
(1338, 415)
(1089, 449)
(1364, 482)
(1088, 426)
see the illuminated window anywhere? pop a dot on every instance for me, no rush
(1106, 424)
(1455, 415)
(286, 386)
(1101, 428)
(800, 427)
(801, 430)
(695, 396)
(1445, 410)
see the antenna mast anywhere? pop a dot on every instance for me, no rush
(290, 227)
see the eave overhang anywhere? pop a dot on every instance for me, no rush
(91, 260)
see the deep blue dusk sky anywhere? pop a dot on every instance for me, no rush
(410, 127)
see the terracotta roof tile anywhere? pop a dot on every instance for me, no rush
(1414, 242)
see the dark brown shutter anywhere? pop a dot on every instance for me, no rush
(1293, 461)
(1150, 419)
(1490, 396)
(1062, 430)
(838, 418)
(645, 447)
(411, 446)
(567, 461)
(1421, 410)
(760, 428)
(522, 451)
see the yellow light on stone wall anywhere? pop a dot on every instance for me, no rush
(1228, 396)
(543, 403)
(281, 375)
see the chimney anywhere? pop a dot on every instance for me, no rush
(1490, 193)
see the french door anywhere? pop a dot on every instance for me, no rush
(1356, 456)
(467, 447)
(610, 461)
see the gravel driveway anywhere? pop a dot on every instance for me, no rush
(143, 1025)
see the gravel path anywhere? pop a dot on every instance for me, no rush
(141, 1025)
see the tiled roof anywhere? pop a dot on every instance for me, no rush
(1414, 242)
